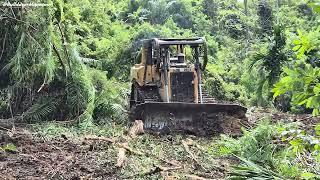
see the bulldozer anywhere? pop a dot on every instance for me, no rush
(167, 88)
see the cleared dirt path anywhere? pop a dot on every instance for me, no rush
(145, 157)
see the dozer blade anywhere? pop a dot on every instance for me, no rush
(200, 119)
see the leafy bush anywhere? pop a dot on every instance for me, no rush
(254, 145)
(214, 86)
(302, 81)
(303, 147)
(47, 78)
(272, 151)
(220, 85)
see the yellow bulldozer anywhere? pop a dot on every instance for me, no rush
(167, 91)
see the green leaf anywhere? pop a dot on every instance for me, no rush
(307, 175)
(303, 102)
(313, 102)
(317, 128)
(10, 148)
(315, 6)
(295, 142)
(316, 89)
(296, 48)
(296, 42)
(315, 112)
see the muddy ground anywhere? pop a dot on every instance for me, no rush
(63, 158)
(147, 156)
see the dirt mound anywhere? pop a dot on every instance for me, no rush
(55, 159)
(306, 121)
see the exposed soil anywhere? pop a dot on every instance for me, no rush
(305, 121)
(54, 159)
(62, 157)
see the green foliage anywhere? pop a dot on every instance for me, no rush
(9, 148)
(53, 130)
(265, 17)
(306, 43)
(315, 4)
(42, 110)
(46, 78)
(71, 61)
(302, 146)
(303, 81)
(269, 63)
(251, 170)
(247, 50)
(254, 145)
(272, 151)
(232, 23)
(255, 151)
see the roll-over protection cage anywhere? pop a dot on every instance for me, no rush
(158, 54)
(157, 47)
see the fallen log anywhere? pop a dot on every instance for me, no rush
(187, 149)
(125, 146)
(162, 168)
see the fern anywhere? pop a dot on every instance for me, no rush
(41, 110)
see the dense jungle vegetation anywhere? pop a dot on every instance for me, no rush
(70, 62)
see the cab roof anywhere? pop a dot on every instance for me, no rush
(174, 41)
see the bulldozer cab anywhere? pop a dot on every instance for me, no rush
(174, 66)
(175, 50)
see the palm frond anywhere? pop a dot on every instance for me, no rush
(41, 110)
(17, 65)
(253, 171)
(49, 65)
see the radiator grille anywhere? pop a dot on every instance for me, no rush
(182, 89)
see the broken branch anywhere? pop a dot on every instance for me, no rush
(94, 138)
(121, 157)
(193, 157)
(125, 146)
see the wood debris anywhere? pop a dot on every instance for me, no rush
(186, 147)
(121, 156)
(136, 129)
(162, 168)
(192, 156)
(194, 177)
(96, 138)
(166, 176)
